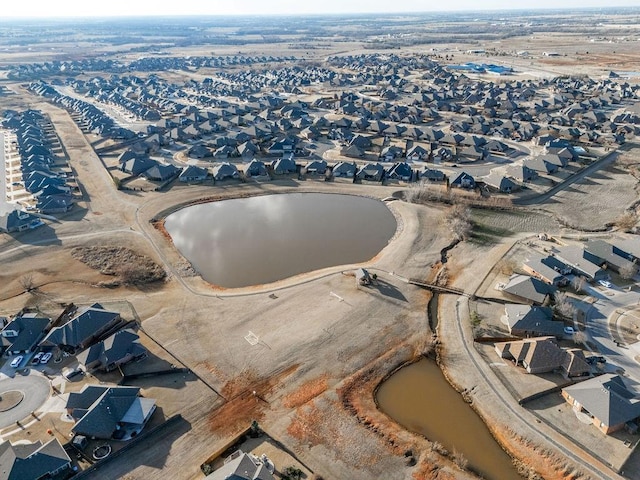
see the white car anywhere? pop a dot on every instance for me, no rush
(36, 358)
(16, 361)
(46, 357)
(605, 283)
(569, 330)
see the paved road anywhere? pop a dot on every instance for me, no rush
(36, 390)
(543, 197)
(603, 332)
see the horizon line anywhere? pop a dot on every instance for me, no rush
(312, 14)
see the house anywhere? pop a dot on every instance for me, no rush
(464, 180)
(542, 355)
(608, 400)
(118, 349)
(501, 183)
(316, 167)
(417, 153)
(109, 412)
(530, 289)
(193, 173)
(432, 175)
(400, 171)
(222, 171)
(161, 173)
(199, 151)
(581, 262)
(84, 329)
(609, 256)
(243, 466)
(22, 334)
(521, 173)
(345, 170)
(548, 269)
(372, 172)
(538, 164)
(18, 221)
(256, 168)
(137, 165)
(530, 321)
(284, 165)
(33, 461)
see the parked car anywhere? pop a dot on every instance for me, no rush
(46, 357)
(36, 358)
(596, 359)
(569, 330)
(605, 283)
(16, 361)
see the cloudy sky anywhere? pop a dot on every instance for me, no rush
(65, 8)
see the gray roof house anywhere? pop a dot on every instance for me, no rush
(344, 169)
(284, 165)
(609, 255)
(109, 412)
(193, 173)
(464, 180)
(18, 221)
(432, 175)
(22, 334)
(160, 172)
(530, 321)
(222, 171)
(316, 167)
(242, 466)
(120, 348)
(501, 183)
(255, 168)
(607, 399)
(528, 288)
(85, 328)
(548, 269)
(32, 461)
(373, 172)
(580, 261)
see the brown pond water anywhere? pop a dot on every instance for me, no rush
(420, 399)
(257, 240)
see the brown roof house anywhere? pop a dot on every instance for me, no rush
(542, 355)
(608, 400)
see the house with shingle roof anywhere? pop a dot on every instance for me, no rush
(85, 328)
(542, 355)
(531, 321)
(109, 412)
(242, 466)
(608, 400)
(609, 255)
(32, 461)
(22, 334)
(528, 288)
(548, 269)
(120, 348)
(225, 170)
(193, 173)
(580, 261)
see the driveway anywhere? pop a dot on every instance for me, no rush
(36, 391)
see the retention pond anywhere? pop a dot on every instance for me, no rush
(420, 399)
(257, 240)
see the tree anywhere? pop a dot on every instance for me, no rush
(563, 305)
(578, 283)
(458, 219)
(628, 271)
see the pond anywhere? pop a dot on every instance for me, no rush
(420, 399)
(252, 241)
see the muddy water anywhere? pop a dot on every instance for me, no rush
(420, 399)
(251, 241)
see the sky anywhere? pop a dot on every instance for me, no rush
(98, 8)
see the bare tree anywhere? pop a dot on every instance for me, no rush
(563, 305)
(628, 271)
(26, 281)
(627, 221)
(458, 219)
(578, 283)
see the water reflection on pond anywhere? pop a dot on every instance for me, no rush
(420, 399)
(251, 241)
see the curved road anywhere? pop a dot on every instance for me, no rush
(36, 390)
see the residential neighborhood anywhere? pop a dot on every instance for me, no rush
(273, 246)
